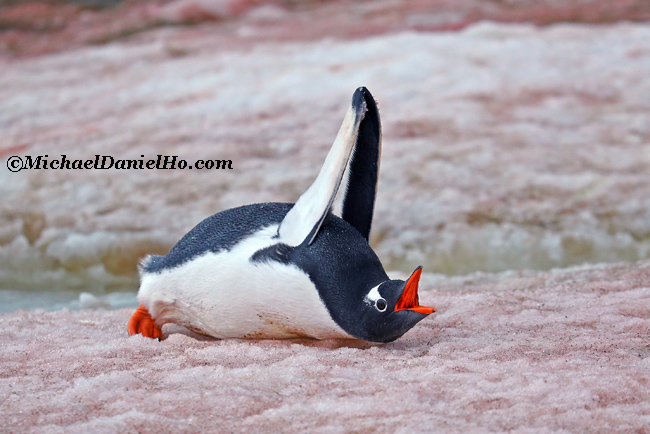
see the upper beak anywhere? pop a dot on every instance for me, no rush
(409, 299)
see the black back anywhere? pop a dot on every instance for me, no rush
(219, 232)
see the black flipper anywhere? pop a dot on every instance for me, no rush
(363, 171)
(302, 222)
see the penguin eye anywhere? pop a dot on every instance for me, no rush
(381, 305)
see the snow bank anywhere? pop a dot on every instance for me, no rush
(558, 351)
(499, 151)
(505, 147)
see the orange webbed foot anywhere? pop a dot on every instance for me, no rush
(141, 322)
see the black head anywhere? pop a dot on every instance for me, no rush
(390, 309)
(353, 285)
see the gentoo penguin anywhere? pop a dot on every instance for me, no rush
(282, 270)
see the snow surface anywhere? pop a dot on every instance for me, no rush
(505, 147)
(559, 351)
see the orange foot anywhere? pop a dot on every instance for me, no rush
(141, 322)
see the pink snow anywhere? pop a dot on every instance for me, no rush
(558, 351)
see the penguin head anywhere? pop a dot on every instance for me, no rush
(392, 308)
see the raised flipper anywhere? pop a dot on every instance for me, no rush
(363, 171)
(302, 222)
(141, 322)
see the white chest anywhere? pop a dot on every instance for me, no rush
(225, 295)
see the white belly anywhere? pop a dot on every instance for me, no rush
(225, 295)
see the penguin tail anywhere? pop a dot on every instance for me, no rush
(142, 323)
(149, 263)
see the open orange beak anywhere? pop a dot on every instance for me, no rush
(409, 299)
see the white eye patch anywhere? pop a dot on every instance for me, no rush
(373, 295)
(375, 299)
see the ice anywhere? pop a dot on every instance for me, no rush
(12, 300)
(522, 351)
(505, 146)
(110, 301)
